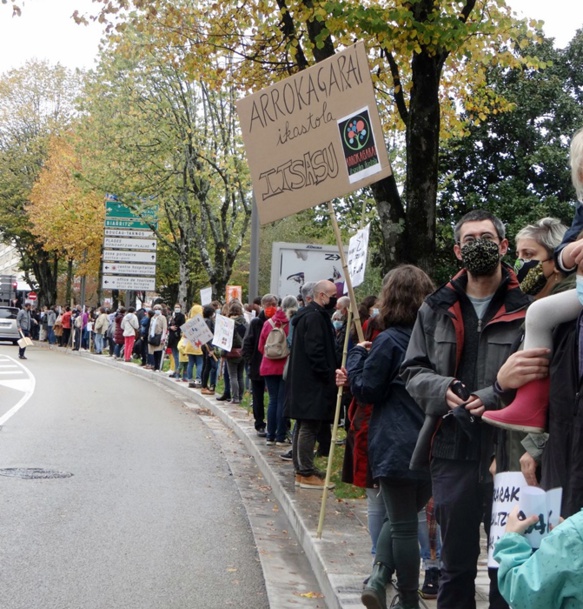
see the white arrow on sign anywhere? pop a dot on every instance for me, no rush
(130, 244)
(119, 282)
(128, 269)
(126, 256)
(126, 232)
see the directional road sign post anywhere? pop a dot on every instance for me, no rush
(129, 241)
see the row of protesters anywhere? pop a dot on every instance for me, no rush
(130, 327)
(210, 360)
(373, 373)
(253, 358)
(311, 390)
(274, 348)
(174, 335)
(559, 452)
(234, 357)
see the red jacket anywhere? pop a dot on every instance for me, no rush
(272, 367)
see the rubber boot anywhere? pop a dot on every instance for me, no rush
(374, 595)
(528, 411)
(407, 599)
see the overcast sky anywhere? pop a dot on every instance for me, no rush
(46, 31)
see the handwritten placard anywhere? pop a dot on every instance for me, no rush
(206, 296)
(224, 331)
(357, 253)
(196, 331)
(511, 490)
(314, 136)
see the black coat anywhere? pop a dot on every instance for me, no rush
(251, 353)
(177, 319)
(310, 385)
(396, 418)
(562, 461)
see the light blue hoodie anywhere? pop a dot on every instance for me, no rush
(552, 577)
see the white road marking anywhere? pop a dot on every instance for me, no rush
(27, 386)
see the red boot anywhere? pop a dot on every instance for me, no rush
(528, 411)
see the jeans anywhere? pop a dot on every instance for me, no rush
(98, 343)
(397, 546)
(116, 350)
(192, 361)
(236, 376)
(276, 423)
(176, 360)
(258, 394)
(377, 514)
(209, 370)
(430, 545)
(461, 502)
(51, 335)
(303, 442)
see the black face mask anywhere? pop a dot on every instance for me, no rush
(534, 280)
(522, 268)
(331, 303)
(481, 258)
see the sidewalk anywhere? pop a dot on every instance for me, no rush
(341, 559)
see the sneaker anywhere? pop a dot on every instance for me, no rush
(297, 480)
(191, 385)
(206, 391)
(223, 398)
(278, 443)
(286, 456)
(270, 443)
(314, 482)
(261, 432)
(431, 583)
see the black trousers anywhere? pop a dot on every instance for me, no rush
(462, 503)
(258, 396)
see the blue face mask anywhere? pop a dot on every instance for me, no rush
(337, 324)
(580, 288)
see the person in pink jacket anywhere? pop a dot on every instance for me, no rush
(271, 368)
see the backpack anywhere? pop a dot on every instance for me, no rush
(276, 346)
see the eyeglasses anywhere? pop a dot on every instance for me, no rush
(471, 239)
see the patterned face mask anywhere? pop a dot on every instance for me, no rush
(481, 257)
(531, 276)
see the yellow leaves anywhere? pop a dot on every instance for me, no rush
(64, 215)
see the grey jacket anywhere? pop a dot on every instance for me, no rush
(434, 355)
(23, 320)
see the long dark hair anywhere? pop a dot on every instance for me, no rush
(403, 292)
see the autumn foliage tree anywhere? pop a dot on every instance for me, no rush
(65, 215)
(428, 59)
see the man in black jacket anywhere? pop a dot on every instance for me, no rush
(310, 385)
(253, 357)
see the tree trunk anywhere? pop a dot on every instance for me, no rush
(392, 222)
(422, 155)
(69, 282)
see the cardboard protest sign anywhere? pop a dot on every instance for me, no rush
(206, 296)
(357, 252)
(234, 291)
(314, 136)
(507, 487)
(196, 331)
(510, 490)
(544, 504)
(224, 330)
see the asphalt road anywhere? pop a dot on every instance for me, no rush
(145, 515)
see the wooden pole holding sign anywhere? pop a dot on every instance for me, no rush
(347, 279)
(334, 430)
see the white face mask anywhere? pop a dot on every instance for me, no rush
(157, 312)
(176, 310)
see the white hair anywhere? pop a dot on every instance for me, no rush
(576, 158)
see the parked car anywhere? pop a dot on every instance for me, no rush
(8, 329)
